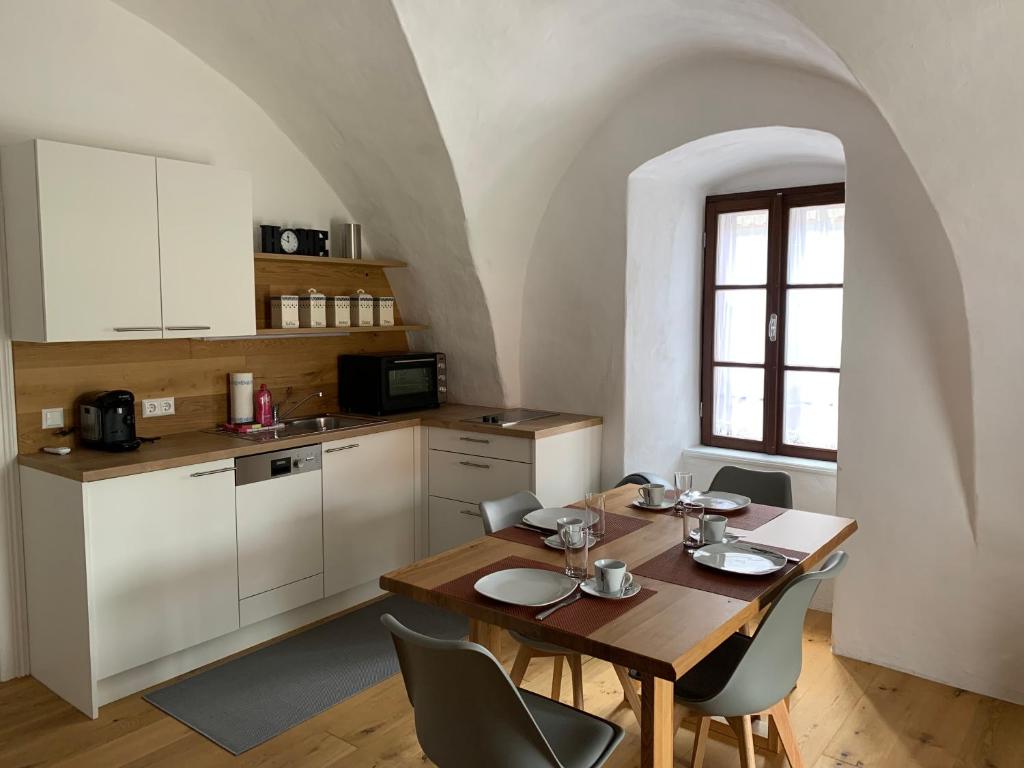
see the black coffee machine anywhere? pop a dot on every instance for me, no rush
(106, 420)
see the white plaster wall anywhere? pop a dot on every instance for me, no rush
(91, 73)
(518, 85)
(905, 427)
(339, 78)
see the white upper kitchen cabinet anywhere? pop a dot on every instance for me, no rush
(83, 250)
(206, 264)
(114, 245)
(369, 507)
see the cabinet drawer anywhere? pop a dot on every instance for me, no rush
(482, 444)
(451, 523)
(475, 478)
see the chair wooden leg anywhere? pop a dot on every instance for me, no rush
(700, 742)
(745, 736)
(628, 689)
(780, 716)
(520, 664)
(576, 668)
(556, 678)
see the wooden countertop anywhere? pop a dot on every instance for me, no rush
(86, 465)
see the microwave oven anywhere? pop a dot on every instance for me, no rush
(390, 383)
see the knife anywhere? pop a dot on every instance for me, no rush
(763, 551)
(534, 528)
(567, 601)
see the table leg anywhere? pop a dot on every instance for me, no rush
(657, 721)
(487, 635)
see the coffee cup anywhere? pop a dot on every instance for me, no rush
(611, 576)
(652, 494)
(712, 529)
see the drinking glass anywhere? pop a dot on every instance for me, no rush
(595, 506)
(576, 538)
(693, 520)
(684, 489)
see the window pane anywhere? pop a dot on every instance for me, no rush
(814, 326)
(740, 325)
(739, 403)
(815, 251)
(811, 409)
(742, 250)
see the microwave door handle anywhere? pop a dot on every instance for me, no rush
(417, 360)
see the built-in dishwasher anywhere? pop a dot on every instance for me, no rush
(279, 508)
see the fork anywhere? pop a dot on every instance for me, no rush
(557, 606)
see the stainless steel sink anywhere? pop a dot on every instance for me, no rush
(310, 425)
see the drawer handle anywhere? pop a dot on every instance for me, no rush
(135, 328)
(470, 512)
(342, 448)
(474, 465)
(212, 472)
(475, 440)
(187, 328)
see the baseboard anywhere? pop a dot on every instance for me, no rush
(155, 672)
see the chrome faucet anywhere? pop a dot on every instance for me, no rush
(278, 416)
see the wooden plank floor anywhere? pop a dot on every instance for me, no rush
(846, 713)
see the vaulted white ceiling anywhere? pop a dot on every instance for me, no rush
(445, 126)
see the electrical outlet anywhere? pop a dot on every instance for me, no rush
(53, 418)
(158, 406)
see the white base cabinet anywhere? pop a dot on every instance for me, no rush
(369, 507)
(465, 468)
(124, 571)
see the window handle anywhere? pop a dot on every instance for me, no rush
(773, 327)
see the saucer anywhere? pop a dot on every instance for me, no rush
(556, 543)
(589, 587)
(666, 504)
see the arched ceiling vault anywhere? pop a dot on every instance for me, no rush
(445, 126)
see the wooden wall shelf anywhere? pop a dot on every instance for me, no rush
(334, 262)
(337, 331)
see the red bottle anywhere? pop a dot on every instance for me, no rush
(263, 410)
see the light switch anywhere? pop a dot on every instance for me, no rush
(53, 418)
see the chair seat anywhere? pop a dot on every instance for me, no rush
(578, 739)
(538, 645)
(713, 671)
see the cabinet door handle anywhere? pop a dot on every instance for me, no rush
(134, 328)
(470, 512)
(342, 448)
(212, 472)
(474, 465)
(187, 328)
(475, 440)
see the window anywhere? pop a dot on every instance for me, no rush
(772, 321)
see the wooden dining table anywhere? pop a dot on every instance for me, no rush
(661, 637)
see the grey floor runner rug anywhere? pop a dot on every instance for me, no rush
(245, 702)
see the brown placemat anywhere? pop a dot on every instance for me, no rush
(676, 566)
(581, 618)
(616, 526)
(750, 518)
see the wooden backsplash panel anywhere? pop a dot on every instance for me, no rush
(194, 371)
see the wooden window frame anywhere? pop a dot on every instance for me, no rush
(778, 202)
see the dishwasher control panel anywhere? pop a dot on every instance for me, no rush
(270, 466)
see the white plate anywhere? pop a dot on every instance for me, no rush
(548, 517)
(590, 587)
(734, 558)
(526, 586)
(556, 543)
(721, 500)
(666, 504)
